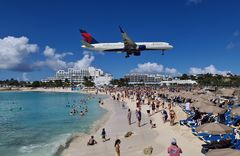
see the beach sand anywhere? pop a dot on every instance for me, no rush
(117, 125)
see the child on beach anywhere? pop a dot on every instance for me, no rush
(153, 125)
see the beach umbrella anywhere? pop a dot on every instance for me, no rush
(211, 109)
(236, 111)
(214, 128)
(223, 152)
(198, 104)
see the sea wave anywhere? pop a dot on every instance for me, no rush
(53, 148)
(67, 143)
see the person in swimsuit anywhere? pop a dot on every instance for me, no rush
(172, 117)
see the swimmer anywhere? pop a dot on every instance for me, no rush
(81, 113)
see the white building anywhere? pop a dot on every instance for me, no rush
(144, 78)
(74, 76)
(103, 80)
(178, 82)
(77, 76)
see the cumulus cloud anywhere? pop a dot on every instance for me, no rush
(210, 69)
(13, 52)
(194, 1)
(171, 71)
(154, 68)
(54, 60)
(148, 68)
(84, 63)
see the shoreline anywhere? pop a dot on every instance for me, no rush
(116, 126)
(94, 128)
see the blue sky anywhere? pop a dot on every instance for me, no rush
(205, 35)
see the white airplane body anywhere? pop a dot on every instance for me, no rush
(128, 45)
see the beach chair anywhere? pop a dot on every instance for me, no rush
(235, 122)
(211, 138)
(230, 136)
(236, 145)
(184, 122)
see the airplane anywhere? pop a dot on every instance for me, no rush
(128, 45)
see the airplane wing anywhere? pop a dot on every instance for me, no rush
(129, 44)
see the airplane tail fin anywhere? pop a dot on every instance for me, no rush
(87, 37)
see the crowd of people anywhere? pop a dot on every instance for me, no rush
(161, 100)
(156, 100)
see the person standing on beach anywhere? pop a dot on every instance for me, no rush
(174, 150)
(172, 115)
(139, 117)
(117, 147)
(164, 115)
(103, 134)
(129, 116)
(148, 109)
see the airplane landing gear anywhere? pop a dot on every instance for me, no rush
(127, 55)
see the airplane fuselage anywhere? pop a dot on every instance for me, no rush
(119, 46)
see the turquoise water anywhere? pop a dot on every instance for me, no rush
(36, 123)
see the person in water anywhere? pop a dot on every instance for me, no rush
(81, 113)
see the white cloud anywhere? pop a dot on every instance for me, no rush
(171, 71)
(148, 68)
(13, 51)
(54, 60)
(154, 68)
(210, 69)
(84, 63)
(24, 77)
(194, 1)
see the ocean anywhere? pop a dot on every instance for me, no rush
(37, 123)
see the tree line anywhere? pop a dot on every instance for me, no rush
(202, 79)
(214, 80)
(52, 83)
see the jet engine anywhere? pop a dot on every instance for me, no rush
(141, 47)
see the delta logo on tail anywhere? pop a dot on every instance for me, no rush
(87, 37)
(127, 45)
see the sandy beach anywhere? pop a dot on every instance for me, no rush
(116, 127)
